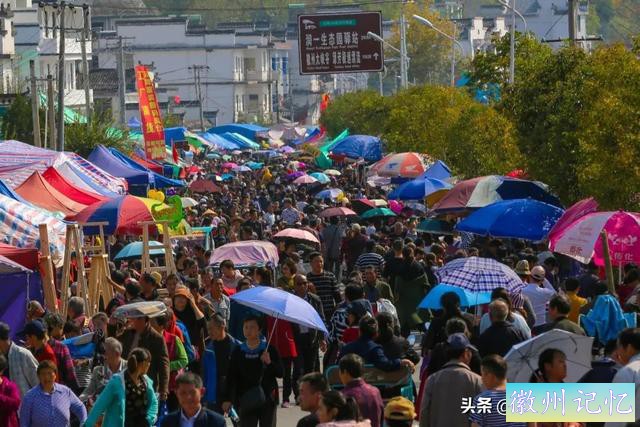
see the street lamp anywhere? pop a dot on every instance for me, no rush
(404, 59)
(512, 54)
(455, 43)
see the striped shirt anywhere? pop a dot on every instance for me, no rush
(485, 410)
(338, 324)
(370, 259)
(327, 289)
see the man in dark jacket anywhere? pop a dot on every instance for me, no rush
(143, 335)
(189, 392)
(501, 335)
(559, 308)
(372, 353)
(308, 341)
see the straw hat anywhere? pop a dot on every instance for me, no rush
(522, 268)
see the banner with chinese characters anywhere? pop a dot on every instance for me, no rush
(152, 128)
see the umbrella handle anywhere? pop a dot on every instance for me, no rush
(273, 329)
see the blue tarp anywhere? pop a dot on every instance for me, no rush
(240, 140)
(5, 190)
(219, 141)
(133, 122)
(366, 147)
(174, 135)
(103, 158)
(247, 130)
(156, 180)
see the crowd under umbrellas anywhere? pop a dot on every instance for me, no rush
(356, 302)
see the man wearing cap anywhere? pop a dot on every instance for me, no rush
(444, 390)
(399, 412)
(538, 294)
(141, 334)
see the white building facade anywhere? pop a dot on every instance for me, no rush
(239, 71)
(37, 37)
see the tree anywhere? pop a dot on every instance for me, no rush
(82, 138)
(17, 122)
(609, 131)
(361, 112)
(429, 51)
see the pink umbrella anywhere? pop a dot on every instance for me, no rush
(396, 206)
(229, 165)
(578, 210)
(305, 179)
(327, 213)
(297, 234)
(246, 253)
(581, 239)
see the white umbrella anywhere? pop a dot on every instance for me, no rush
(522, 359)
(332, 172)
(188, 202)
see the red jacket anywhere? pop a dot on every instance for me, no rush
(282, 338)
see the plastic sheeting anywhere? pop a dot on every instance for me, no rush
(102, 157)
(364, 147)
(79, 195)
(16, 291)
(42, 194)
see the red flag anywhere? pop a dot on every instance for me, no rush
(174, 152)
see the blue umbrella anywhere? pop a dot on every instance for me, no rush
(281, 305)
(438, 170)
(418, 189)
(467, 297)
(519, 219)
(254, 165)
(331, 193)
(321, 177)
(134, 250)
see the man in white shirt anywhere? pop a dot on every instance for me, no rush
(628, 353)
(538, 294)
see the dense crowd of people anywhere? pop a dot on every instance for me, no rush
(207, 356)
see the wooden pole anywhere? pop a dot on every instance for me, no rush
(607, 262)
(46, 267)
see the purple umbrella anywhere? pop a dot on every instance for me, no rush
(287, 149)
(295, 175)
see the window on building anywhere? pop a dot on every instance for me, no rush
(250, 65)
(46, 24)
(254, 103)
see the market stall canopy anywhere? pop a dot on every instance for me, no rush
(83, 182)
(156, 180)
(174, 134)
(364, 147)
(79, 195)
(26, 257)
(5, 190)
(241, 141)
(102, 157)
(438, 170)
(218, 141)
(249, 131)
(19, 227)
(33, 158)
(134, 123)
(42, 194)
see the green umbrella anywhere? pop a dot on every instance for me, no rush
(435, 226)
(377, 212)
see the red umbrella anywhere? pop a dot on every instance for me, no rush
(327, 213)
(203, 186)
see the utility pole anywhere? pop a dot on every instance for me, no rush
(61, 77)
(572, 22)
(404, 78)
(85, 62)
(512, 51)
(380, 82)
(121, 82)
(197, 82)
(35, 104)
(51, 115)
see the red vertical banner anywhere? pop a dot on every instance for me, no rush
(152, 128)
